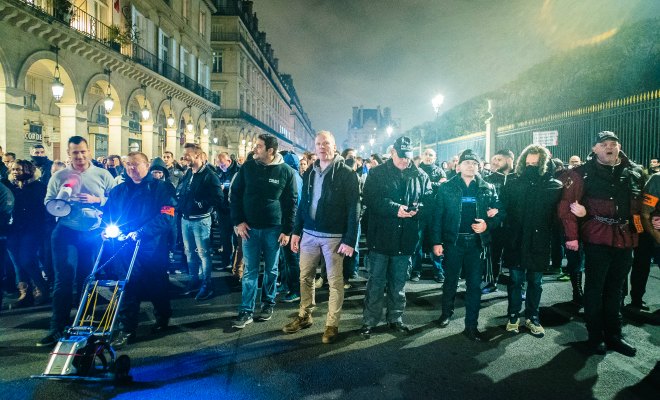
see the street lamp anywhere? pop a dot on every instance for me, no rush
(389, 131)
(108, 103)
(57, 86)
(146, 113)
(170, 118)
(189, 125)
(437, 102)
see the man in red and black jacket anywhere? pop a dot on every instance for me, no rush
(600, 206)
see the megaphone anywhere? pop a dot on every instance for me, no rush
(59, 206)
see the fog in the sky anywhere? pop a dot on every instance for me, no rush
(344, 53)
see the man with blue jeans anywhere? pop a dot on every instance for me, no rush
(263, 206)
(199, 192)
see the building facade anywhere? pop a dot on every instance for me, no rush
(134, 75)
(370, 130)
(254, 96)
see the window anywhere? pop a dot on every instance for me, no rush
(99, 10)
(202, 23)
(183, 66)
(217, 62)
(185, 9)
(164, 47)
(242, 67)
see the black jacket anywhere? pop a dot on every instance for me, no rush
(225, 178)
(198, 197)
(530, 204)
(29, 209)
(146, 208)
(44, 165)
(6, 209)
(387, 188)
(339, 206)
(447, 216)
(435, 173)
(264, 196)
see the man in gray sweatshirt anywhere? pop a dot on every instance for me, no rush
(89, 187)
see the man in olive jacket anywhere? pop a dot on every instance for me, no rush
(396, 194)
(530, 201)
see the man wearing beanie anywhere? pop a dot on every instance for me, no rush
(466, 209)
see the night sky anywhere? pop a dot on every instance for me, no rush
(401, 53)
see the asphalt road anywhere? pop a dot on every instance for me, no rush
(202, 356)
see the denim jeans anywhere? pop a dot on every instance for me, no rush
(196, 235)
(417, 262)
(464, 255)
(390, 271)
(291, 276)
(261, 241)
(87, 245)
(605, 271)
(23, 250)
(533, 296)
(312, 249)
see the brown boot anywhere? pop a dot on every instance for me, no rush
(298, 323)
(25, 298)
(330, 334)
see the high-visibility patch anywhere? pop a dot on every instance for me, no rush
(650, 200)
(637, 220)
(169, 210)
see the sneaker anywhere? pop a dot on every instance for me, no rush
(414, 278)
(439, 278)
(564, 277)
(122, 338)
(399, 327)
(191, 288)
(489, 288)
(291, 298)
(330, 335)
(318, 282)
(266, 312)
(298, 323)
(474, 335)
(513, 325)
(347, 285)
(535, 328)
(365, 331)
(49, 340)
(205, 293)
(244, 318)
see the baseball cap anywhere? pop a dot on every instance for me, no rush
(605, 135)
(403, 147)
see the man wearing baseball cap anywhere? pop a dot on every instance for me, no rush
(397, 194)
(603, 211)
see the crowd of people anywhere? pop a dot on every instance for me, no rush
(472, 218)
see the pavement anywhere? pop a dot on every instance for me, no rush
(202, 356)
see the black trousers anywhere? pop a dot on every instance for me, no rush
(641, 268)
(606, 269)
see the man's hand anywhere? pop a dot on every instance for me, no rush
(133, 235)
(578, 209)
(346, 250)
(573, 245)
(86, 198)
(655, 221)
(295, 243)
(404, 213)
(479, 226)
(492, 212)
(242, 230)
(437, 250)
(283, 239)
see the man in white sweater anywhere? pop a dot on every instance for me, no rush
(90, 186)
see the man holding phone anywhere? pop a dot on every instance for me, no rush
(466, 209)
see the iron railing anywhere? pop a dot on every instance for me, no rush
(92, 28)
(240, 114)
(635, 119)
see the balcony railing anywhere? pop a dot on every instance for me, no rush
(89, 26)
(240, 114)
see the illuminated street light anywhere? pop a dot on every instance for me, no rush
(389, 131)
(146, 113)
(170, 118)
(57, 86)
(108, 103)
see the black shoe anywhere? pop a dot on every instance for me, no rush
(49, 340)
(639, 306)
(266, 313)
(414, 278)
(204, 293)
(161, 325)
(621, 346)
(596, 347)
(191, 288)
(122, 338)
(443, 321)
(474, 335)
(365, 331)
(489, 288)
(399, 327)
(440, 278)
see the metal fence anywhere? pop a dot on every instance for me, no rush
(635, 119)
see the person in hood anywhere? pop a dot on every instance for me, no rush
(159, 170)
(290, 260)
(327, 222)
(41, 161)
(530, 200)
(600, 206)
(263, 204)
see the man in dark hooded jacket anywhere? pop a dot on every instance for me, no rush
(530, 200)
(41, 161)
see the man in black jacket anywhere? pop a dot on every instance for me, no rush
(41, 161)
(199, 192)
(226, 171)
(467, 207)
(263, 206)
(530, 200)
(142, 208)
(327, 220)
(396, 194)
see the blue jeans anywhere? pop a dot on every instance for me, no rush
(23, 250)
(390, 271)
(196, 235)
(466, 256)
(261, 241)
(533, 296)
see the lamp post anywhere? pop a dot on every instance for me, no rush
(57, 87)
(170, 117)
(437, 102)
(108, 103)
(146, 113)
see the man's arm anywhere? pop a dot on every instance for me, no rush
(352, 205)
